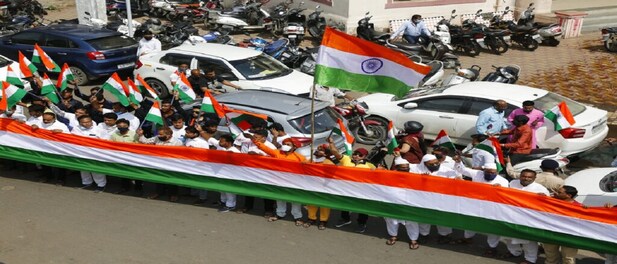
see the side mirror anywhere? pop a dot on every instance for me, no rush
(410, 106)
(530, 4)
(318, 6)
(366, 14)
(228, 76)
(453, 11)
(507, 8)
(87, 13)
(479, 11)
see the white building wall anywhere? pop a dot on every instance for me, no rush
(96, 8)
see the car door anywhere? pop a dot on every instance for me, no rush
(224, 70)
(23, 41)
(466, 125)
(61, 49)
(435, 113)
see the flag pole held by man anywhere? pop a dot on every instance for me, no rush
(347, 62)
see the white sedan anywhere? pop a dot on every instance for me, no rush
(247, 68)
(456, 108)
(596, 187)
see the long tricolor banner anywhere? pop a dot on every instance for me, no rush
(427, 199)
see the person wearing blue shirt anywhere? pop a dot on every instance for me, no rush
(413, 30)
(491, 120)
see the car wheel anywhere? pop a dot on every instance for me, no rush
(531, 44)
(159, 87)
(81, 78)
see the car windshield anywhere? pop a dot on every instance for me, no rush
(421, 92)
(325, 120)
(550, 100)
(4, 62)
(260, 67)
(609, 182)
(112, 42)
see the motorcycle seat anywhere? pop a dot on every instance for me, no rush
(435, 67)
(407, 46)
(536, 154)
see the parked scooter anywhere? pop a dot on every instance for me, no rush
(212, 37)
(253, 17)
(316, 24)
(428, 49)
(548, 31)
(464, 38)
(364, 130)
(160, 8)
(507, 74)
(525, 36)
(462, 75)
(432, 78)
(609, 37)
(295, 25)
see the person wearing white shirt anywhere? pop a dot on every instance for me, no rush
(392, 225)
(87, 128)
(148, 44)
(228, 199)
(108, 127)
(13, 114)
(250, 148)
(193, 140)
(36, 115)
(182, 68)
(328, 94)
(278, 134)
(442, 155)
(52, 173)
(488, 175)
(479, 157)
(430, 165)
(71, 117)
(122, 112)
(50, 123)
(516, 246)
(178, 127)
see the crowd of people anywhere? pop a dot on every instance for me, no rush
(102, 119)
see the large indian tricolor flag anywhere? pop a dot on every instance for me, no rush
(351, 63)
(116, 87)
(39, 56)
(382, 193)
(561, 116)
(11, 95)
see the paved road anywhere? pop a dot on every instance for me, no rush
(43, 223)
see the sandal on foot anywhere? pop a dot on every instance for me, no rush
(391, 241)
(413, 245)
(299, 222)
(322, 226)
(308, 223)
(273, 218)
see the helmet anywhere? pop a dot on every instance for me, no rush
(413, 127)
(154, 21)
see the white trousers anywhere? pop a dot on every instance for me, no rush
(491, 240)
(425, 230)
(529, 248)
(88, 178)
(229, 199)
(281, 209)
(413, 230)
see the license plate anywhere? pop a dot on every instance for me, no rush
(536, 37)
(307, 64)
(506, 38)
(126, 65)
(286, 55)
(292, 36)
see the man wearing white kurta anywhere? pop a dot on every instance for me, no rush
(402, 165)
(229, 199)
(516, 246)
(87, 128)
(430, 165)
(108, 127)
(488, 175)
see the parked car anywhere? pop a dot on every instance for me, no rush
(4, 63)
(596, 187)
(293, 112)
(91, 52)
(248, 68)
(456, 110)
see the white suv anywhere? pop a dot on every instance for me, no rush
(247, 68)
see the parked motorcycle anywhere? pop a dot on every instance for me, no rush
(295, 25)
(364, 130)
(252, 17)
(462, 75)
(465, 38)
(160, 8)
(427, 49)
(118, 7)
(494, 39)
(525, 36)
(316, 24)
(16, 24)
(507, 74)
(609, 37)
(432, 78)
(548, 31)
(308, 65)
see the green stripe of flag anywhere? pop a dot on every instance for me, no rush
(370, 207)
(342, 79)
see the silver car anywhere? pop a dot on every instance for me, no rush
(292, 112)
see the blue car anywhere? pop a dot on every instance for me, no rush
(91, 53)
